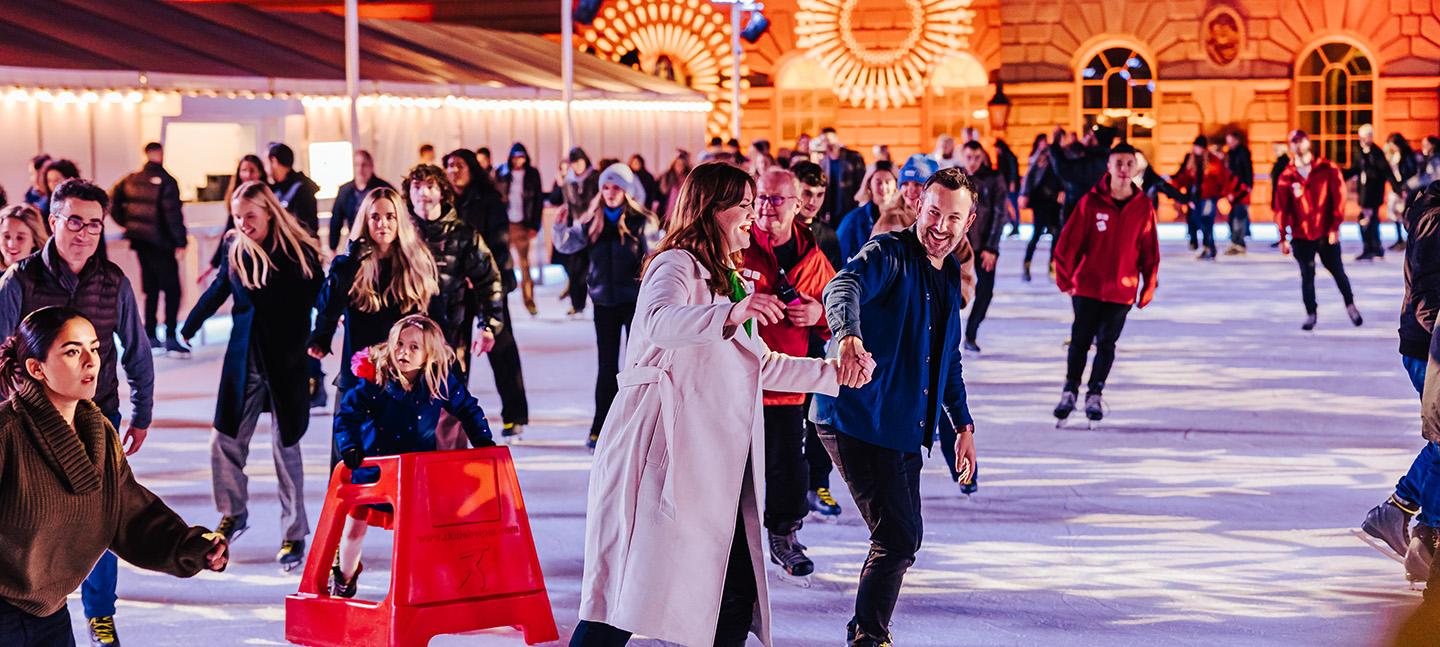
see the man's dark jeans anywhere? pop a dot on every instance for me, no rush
(886, 487)
(787, 476)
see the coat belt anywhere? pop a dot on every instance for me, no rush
(660, 377)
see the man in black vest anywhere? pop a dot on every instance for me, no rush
(147, 204)
(68, 271)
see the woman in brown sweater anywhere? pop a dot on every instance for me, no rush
(66, 492)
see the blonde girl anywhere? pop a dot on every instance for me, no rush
(22, 233)
(387, 273)
(271, 270)
(401, 387)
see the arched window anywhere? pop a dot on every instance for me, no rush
(804, 99)
(1334, 97)
(958, 92)
(1117, 89)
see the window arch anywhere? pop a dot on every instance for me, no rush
(1117, 89)
(958, 91)
(1335, 94)
(804, 99)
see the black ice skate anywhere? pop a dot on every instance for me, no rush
(1094, 409)
(1421, 552)
(789, 554)
(1065, 408)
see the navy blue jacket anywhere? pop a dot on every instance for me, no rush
(387, 420)
(855, 229)
(880, 297)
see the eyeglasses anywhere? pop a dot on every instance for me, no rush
(773, 200)
(76, 223)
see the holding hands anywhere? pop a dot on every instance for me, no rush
(856, 364)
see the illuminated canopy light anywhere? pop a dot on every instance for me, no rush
(122, 96)
(882, 77)
(690, 34)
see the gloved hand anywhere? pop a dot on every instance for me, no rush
(352, 458)
(487, 441)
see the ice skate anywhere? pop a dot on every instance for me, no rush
(1354, 314)
(823, 506)
(1094, 409)
(1310, 321)
(592, 441)
(291, 555)
(1065, 408)
(342, 588)
(511, 433)
(788, 553)
(1387, 529)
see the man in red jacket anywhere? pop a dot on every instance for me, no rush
(785, 261)
(1107, 250)
(1310, 205)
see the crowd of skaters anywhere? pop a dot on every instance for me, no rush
(805, 249)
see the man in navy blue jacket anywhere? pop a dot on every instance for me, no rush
(901, 295)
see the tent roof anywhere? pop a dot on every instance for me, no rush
(153, 37)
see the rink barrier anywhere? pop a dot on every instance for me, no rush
(463, 558)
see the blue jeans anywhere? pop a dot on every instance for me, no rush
(97, 592)
(1421, 485)
(1202, 213)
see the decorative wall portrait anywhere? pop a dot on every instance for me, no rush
(1223, 34)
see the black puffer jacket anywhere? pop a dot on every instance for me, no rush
(147, 204)
(297, 194)
(1422, 274)
(469, 281)
(613, 278)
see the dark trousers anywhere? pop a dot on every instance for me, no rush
(1239, 223)
(609, 322)
(1096, 322)
(786, 473)
(984, 292)
(1305, 252)
(817, 458)
(1370, 232)
(20, 629)
(509, 378)
(576, 266)
(886, 487)
(1201, 220)
(737, 604)
(1047, 221)
(159, 272)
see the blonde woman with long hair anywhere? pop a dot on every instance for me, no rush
(22, 233)
(271, 269)
(387, 274)
(402, 386)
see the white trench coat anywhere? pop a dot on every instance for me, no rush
(671, 466)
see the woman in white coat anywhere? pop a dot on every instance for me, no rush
(672, 537)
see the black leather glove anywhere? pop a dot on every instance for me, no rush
(490, 442)
(352, 458)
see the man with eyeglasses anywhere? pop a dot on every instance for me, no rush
(784, 260)
(69, 271)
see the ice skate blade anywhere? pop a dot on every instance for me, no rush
(801, 581)
(823, 518)
(1093, 424)
(1060, 423)
(1378, 545)
(1417, 585)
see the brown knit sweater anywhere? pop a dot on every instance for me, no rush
(66, 495)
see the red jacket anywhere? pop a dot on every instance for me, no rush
(1107, 253)
(1217, 183)
(811, 274)
(1320, 207)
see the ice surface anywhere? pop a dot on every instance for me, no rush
(1213, 507)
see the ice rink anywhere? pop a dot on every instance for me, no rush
(1213, 507)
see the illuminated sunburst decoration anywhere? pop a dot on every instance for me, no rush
(687, 40)
(882, 76)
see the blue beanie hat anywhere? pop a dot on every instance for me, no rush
(917, 169)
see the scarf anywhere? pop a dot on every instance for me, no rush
(738, 294)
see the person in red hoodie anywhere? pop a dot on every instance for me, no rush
(1205, 178)
(1309, 207)
(785, 261)
(1108, 250)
